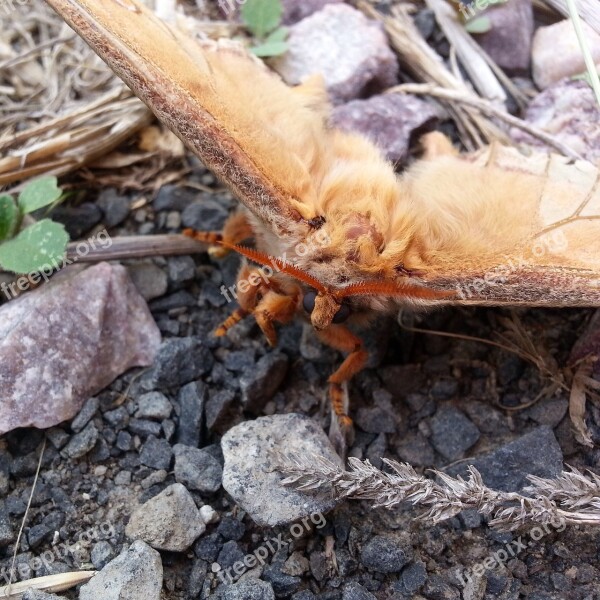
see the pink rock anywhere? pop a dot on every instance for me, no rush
(508, 42)
(568, 110)
(349, 50)
(388, 120)
(556, 53)
(67, 340)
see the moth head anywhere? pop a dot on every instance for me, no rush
(328, 304)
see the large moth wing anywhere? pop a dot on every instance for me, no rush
(558, 262)
(226, 110)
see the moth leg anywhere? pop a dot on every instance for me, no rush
(237, 228)
(264, 297)
(239, 314)
(342, 339)
(436, 144)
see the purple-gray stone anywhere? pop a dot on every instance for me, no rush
(350, 51)
(568, 111)
(296, 10)
(67, 340)
(508, 42)
(388, 120)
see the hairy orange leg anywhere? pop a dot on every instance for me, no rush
(236, 229)
(264, 296)
(342, 339)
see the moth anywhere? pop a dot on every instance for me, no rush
(339, 236)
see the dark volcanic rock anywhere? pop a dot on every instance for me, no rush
(452, 433)
(386, 554)
(507, 467)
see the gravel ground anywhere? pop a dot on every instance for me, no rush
(425, 399)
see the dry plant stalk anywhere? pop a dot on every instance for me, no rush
(49, 584)
(571, 498)
(421, 61)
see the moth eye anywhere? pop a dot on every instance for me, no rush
(309, 301)
(342, 314)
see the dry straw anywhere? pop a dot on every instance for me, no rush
(571, 498)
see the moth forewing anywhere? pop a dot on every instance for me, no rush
(557, 263)
(185, 84)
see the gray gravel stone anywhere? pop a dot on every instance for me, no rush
(5, 460)
(114, 206)
(296, 10)
(507, 467)
(415, 449)
(380, 418)
(156, 453)
(85, 414)
(197, 469)
(355, 591)
(218, 407)
(208, 215)
(81, 443)
(32, 594)
(180, 361)
(452, 433)
(437, 588)
(102, 553)
(172, 197)
(260, 384)
(249, 589)
(153, 405)
(78, 220)
(412, 578)
(386, 554)
(349, 50)
(248, 475)
(181, 269)
(389, 121)
(7, 533)
(136, 574)
(150, 280)
(170, 521)
(192, 398)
